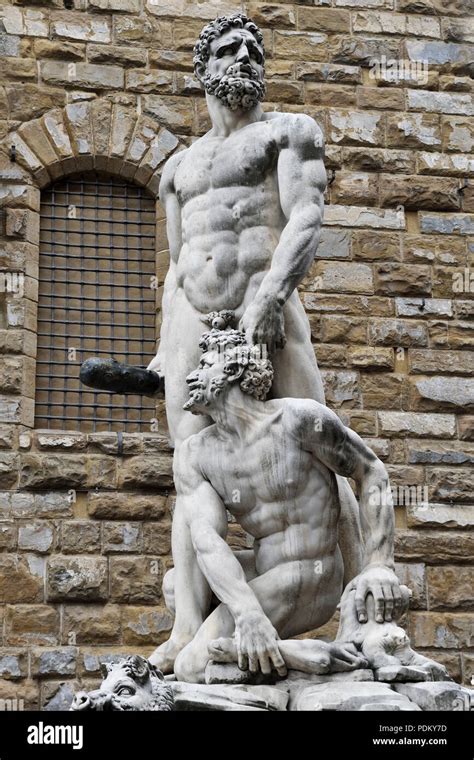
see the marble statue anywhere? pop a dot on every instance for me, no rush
(252, 435)
(244, 206)
(132, 684)
(272, 465)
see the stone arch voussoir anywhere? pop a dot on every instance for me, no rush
(96, 134)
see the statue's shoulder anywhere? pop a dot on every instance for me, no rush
(169, 171)
(297, 129)
(302, 415)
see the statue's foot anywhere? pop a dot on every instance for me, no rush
(165, 655)
(223, 650)
(345, 656)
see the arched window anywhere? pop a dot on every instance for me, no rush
(97, 260)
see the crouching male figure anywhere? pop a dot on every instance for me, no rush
(273, 465)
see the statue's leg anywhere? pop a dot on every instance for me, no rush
(305, 655)
(297, 376)
(293, 597)
(191, 592)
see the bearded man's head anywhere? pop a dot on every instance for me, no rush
(227, 359)
(229, 59)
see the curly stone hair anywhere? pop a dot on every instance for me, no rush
(257, 375)
(215, 29)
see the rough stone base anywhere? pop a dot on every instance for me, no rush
(360, 690)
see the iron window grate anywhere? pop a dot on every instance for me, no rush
(97, 260)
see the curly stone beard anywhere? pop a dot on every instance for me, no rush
(200, 397)
(234, 91)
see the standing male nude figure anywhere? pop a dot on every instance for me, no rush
(244, 207)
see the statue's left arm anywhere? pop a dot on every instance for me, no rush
(345, 453)
(301, 184)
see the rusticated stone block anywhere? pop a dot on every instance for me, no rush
(363, 422)
(19, 581)
(414, 130)
(420, 192)
(13, 664)
(301, 46)
(91, 624)
(30, 624)
(337, 329)
(362, 50)
(423, 307)
(457, 133)
(80, 536)
(402, 279)
(417, 425)
(444, 630)
(78, 26)
(450, 586)
(123, 56)
(64, 51)
(157, 537)
(135, 580)
(36, 537)
(397, 332)
(372, 245)
(440, 516)
(350, 188)
(440, 102)
(356, 128)
(386, 391)
(54, 662)
(85, 75)
(146, 472)
(341, 388)
(53, 471)
(126, 506)
(8, 531)
(175, 113)
(451, 485)
(77, 579)
(423, 545)
(122, 537)
(442, 393)
(8, 469)
(66, 441)
(145, 626)
(466, 427)
(49, 504)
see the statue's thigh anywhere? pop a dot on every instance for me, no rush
(296, 370)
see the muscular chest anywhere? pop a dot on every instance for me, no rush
(265, 471)
(217, 163)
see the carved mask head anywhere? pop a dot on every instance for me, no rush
(131, 684)
(229, 59)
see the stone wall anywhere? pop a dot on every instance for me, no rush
(85, 529)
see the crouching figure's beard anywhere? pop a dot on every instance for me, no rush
(234, 91)
(203, 397)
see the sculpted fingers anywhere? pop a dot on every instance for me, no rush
(379, 599)
(278, 661)
(397, 602)
(389, 601)
(359, 600)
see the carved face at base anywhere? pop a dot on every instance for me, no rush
(129, 685)
(229, 61)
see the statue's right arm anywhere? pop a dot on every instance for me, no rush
(205, 513)
(206, 516)
(172, 209)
